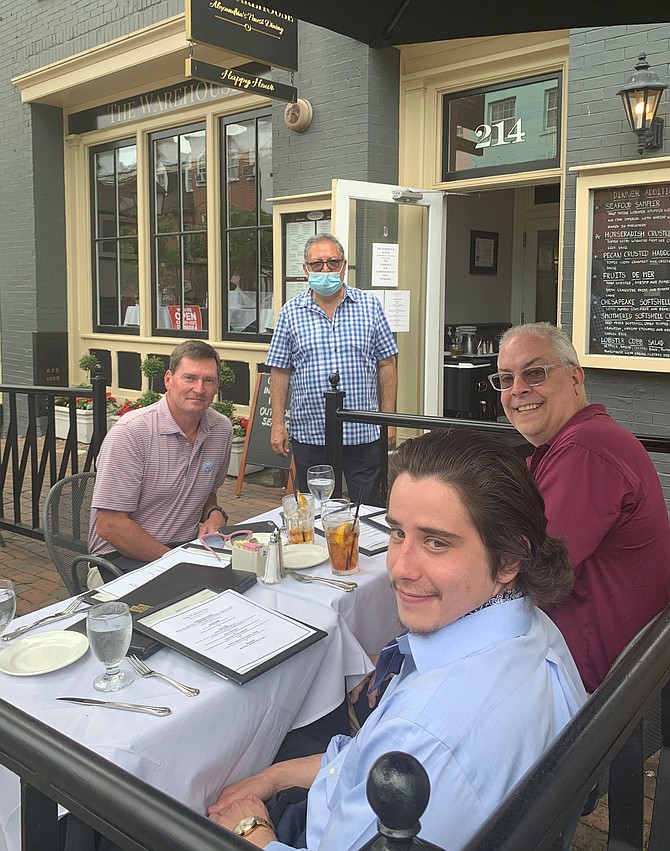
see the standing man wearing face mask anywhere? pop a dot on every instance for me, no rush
(332, 328)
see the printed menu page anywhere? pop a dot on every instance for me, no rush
(237, 635)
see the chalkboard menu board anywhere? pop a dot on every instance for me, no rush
(629, 304)
(257, 446)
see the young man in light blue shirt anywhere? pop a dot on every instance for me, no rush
(486, 681)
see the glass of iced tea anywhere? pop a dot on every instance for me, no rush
(342, 529)
(299, 518)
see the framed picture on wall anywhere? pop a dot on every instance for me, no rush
(483, 252)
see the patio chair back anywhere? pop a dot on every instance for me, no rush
(65, 521)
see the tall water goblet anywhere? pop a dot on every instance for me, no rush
(7, 604)
(109, 627)
(321, 482)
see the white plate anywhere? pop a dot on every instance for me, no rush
(299, 556)
(39, 654)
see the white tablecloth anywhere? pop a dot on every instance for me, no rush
(228, 731)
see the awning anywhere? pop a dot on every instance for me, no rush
(382, 23)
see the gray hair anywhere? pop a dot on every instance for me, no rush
(560, 342)
(323, 237)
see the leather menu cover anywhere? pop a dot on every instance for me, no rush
(177, 582)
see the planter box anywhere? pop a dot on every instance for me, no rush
(84, 423)
(236, 460)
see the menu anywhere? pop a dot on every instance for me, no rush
(629, 304)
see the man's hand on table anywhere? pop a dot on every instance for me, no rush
(213, 523)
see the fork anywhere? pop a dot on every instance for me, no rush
(145, 671)
(340, 584)
(64, 613)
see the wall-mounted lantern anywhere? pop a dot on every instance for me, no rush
(641, 96)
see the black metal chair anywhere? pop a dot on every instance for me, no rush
(65, 521)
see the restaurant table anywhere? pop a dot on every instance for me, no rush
(228, 731)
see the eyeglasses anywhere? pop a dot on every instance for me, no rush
(532, 376)
(334, 264)
(208, 541)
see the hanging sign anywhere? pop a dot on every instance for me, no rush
(254, 30)
(236, 79)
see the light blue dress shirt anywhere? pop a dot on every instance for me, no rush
(306, 341)
(476, 703)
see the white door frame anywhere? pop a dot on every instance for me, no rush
(433, 345)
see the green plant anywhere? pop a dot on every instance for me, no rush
(83, 403)
(147, 398)
(225, 407)
(87, 363)
(226, 375)
(153, 367)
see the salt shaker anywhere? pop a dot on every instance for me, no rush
(274, 563)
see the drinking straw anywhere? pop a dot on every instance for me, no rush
(350, 554)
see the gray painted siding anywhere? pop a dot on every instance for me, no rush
(600, 62)
(32, 245)
(354, 132)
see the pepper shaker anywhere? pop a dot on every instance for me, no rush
(274, 562)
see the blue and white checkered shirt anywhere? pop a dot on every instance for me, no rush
(313, 347)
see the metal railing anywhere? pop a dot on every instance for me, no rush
(31, 460)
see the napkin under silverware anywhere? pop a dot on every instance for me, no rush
(111, 704)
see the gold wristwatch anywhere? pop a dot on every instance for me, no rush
(250, 823)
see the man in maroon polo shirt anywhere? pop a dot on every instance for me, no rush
(601, 493)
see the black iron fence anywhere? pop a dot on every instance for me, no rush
(32, 460)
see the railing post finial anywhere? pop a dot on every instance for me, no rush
(398, 790)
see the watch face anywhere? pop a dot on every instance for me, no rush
(245, 826)
(250, 823)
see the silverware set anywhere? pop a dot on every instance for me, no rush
(64, 613)
(340, 584)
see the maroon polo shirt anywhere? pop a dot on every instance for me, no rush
(602, 494)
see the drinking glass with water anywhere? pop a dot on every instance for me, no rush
(7, 604)
(321, 482)
(109, 627)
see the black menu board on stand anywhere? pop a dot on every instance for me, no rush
(629, 298)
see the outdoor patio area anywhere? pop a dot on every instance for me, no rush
(26, 562)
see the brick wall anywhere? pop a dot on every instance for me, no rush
(601, 60)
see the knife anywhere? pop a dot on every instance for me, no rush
(110, 704)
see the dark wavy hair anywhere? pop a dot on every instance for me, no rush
(502, 501)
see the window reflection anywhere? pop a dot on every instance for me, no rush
(247, 236)
(114, 210)
(179, 169)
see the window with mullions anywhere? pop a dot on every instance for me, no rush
(247, 225)
(114, 236)
(179, 231)
(502, 129)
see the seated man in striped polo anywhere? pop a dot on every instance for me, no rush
(160, 467)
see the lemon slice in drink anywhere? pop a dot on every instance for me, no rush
(340, 532)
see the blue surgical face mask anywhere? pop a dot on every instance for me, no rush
(325, 283)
